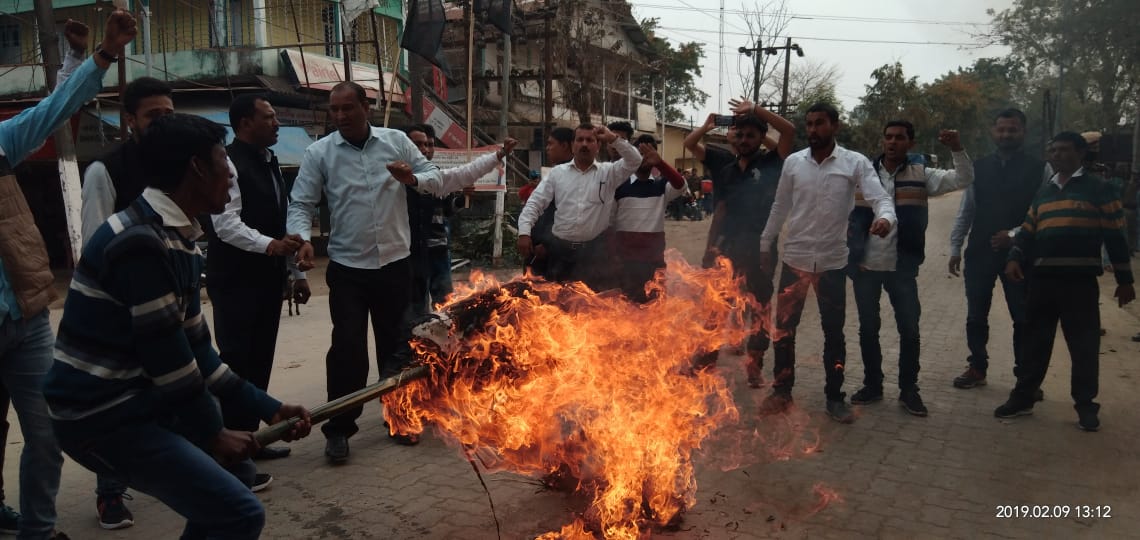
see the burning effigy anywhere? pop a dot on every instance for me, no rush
(559, 382)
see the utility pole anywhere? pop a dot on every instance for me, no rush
(548, 77)
(787, 68)
(64, 145)
(754, 54)
(504, 106)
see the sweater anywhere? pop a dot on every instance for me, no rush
(1065, 228)
(133, 345)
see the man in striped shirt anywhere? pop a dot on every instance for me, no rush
(132, 390)
(1059, 247)
(639, 224)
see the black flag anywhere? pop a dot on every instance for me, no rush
(423, 34)
(498, 13)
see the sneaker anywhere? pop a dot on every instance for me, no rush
(1088, 420)
(838, 410)
(911, 401)
(755, 369)
(867, 395)
(776, 402)
(113, 513)
(970, 379)
(9, 520)
(1013, 408)
(260, 482)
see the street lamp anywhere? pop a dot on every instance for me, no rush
(755, 69)
(787, 63)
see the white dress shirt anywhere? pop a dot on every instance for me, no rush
(232, 230)
(369, 208)
(585, 198)
(815, 199)
(883, 252)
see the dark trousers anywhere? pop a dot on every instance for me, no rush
(246, 320)
(634, 275)
(354, 296)
(589, 262)
(902, 289)
(831, 295)
(1072, 301)
(980, 274)
(158, 461)
(439, 284)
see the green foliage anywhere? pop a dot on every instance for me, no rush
(679, 66)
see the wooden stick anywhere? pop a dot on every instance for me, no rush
(276, 432)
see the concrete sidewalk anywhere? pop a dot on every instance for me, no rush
(895, 475)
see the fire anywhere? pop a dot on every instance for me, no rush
(557, 381)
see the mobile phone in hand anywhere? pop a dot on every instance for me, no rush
(723, 120)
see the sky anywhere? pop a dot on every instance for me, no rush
(819, 25)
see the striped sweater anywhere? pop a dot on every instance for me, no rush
(1065, 228)
(133, 345)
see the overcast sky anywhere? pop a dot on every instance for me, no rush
(867, 23)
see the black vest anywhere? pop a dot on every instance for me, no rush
(124, 166)
(1002, 195)
(911, 210)
(263, 208)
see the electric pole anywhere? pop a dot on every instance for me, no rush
(787, 68)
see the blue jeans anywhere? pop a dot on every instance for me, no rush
(26, 347)
(902, 289)
(159, 462)
(25, 356)
(980, 272)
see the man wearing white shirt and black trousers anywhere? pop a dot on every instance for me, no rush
(584, 189)
(815, 195)
(249, 257)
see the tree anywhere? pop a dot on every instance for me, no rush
(586, 41)
(1094, 40)
(767, 26)
(678, 66)
(891, 96)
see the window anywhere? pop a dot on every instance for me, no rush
(10, 52)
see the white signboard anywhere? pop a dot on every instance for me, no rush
(495, 180)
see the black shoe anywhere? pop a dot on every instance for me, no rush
(1013, 408)
(336, 449)
(1136, 337)
(113, 513)
(272, 452)
(838, 410)
(9, 520)
(970, 379)
(1087, 419)
(1039, 395)
(776, 402)
(404, 439)
(867, 395)
(911, 401)
(260, 482)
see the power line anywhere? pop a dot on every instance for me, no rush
(814, 38)
(818, 16)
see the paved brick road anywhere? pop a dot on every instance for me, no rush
(897, 476)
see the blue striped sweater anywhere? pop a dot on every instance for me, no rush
(133, 345)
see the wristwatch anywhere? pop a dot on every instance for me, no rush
(106, 55)
(1012, 233)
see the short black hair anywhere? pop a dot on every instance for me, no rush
(244, 106)
(1011, 113)
(827, 108)
(563, 135)
(142, 88)
(361, 94)
(585, 125)
(621, 127)
(171, 141)
(750, 120)
(422, 128)
(903, 124)
(1079, 143)
(646, 139)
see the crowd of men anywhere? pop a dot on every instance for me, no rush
(133, 388)
(843, 216)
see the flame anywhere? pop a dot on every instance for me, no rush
(585, 389)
